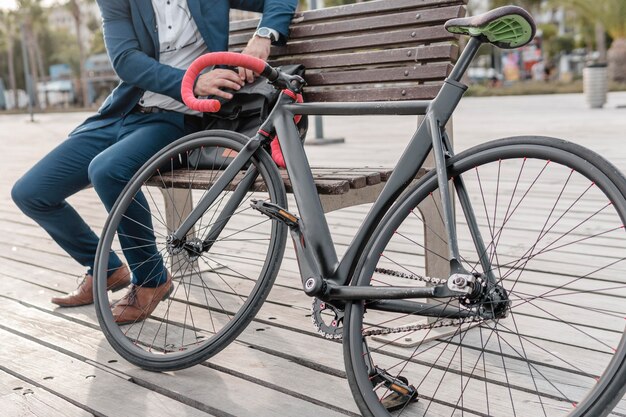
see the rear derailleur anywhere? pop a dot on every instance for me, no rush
(490, 301)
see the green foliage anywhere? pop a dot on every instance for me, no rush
(553, 43)
(97, 42)
(60, 47)
(610, 13)
(559, 45)
(548, 30)
(526, 4)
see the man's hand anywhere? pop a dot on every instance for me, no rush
(259, 48)
(210, 83)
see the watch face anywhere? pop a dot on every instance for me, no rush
(265, 32)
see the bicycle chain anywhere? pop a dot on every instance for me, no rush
(417, 327)
(403, 329)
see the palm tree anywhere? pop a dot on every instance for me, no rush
(75, 8)
(8, 28)
(612, 15)
(32, 16)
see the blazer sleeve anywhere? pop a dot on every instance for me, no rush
(130, 63)
(277, 14)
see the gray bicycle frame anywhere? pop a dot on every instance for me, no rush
(319, 249)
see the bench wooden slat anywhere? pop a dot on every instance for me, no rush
(369, 178)
(328, 181)
(367, 24)
(420, 54)
(405, 73)
(379, 50)
(356, 9)
(400, 38)
(409, 92)
(377, 22)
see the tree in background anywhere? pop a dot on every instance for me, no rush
(611, 15)
(530, 5)
(32, 18)
(8, 31)
(75, 7)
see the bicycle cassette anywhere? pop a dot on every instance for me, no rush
(327, 319)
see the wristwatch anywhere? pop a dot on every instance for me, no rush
(267, 33)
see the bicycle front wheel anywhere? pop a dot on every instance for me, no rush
(552, 217)
(220, 275)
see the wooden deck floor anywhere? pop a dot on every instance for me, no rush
(55, 362)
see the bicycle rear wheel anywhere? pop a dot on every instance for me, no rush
(220, 277)
(552, 217)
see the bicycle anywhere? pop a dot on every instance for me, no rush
(502, 334)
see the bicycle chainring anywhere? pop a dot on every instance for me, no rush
(327, 319)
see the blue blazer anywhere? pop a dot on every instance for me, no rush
(131, 39)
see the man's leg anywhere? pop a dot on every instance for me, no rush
(142, 136)
(42, 191)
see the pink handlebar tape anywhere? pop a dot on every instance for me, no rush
(215, 58)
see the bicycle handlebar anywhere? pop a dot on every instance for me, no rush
(218, 58)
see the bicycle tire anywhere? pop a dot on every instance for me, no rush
(222, 289)
(588, 376)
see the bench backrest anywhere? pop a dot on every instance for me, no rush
(378, 50)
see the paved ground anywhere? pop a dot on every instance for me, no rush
(379, 140)
(51, 353)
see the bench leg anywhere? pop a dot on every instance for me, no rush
(435, 235)
(435, 241)
(178, 205)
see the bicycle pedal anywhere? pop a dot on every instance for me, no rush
(276, 212)
(400, 392)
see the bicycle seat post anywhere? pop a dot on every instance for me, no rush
(466, 58)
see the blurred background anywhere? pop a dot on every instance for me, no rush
(56, 48)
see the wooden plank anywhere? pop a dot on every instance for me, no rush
(203, 179)
(421, 54)
(359, 9)
(400, 38)
(97, 390)
(421, 92)
(354, 179)
(384, 172)
(381, 75)
(377, 22)
(362, 24)
(371, 177)
(20, 398)
(307, 395)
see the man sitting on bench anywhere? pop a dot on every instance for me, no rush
(150, 43)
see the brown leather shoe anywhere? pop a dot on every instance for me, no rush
(140, 302)
(83, 295)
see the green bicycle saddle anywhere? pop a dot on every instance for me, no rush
(507, 27)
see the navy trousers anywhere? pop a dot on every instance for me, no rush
(107, 158)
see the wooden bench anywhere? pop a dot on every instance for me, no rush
(384, 50)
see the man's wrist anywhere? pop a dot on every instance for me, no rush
(267, 33)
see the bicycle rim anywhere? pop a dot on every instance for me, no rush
(552, 219)
(216, 291)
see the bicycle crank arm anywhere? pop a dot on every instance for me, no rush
(312, 280)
